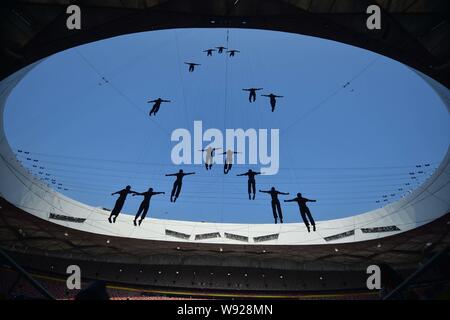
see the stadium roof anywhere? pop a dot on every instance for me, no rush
(23, 232)
(414, 32)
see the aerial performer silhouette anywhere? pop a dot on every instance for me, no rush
(251, 182)
(220, 49)
(119, 203)
(209, 52)
(177, 184)
(276, 206)
(156, 105)
(228, 160)
(145, 204)
(210, 153)
(252, 93)
(192, 66)
(232, 52)
(273, 99)
(304, 210)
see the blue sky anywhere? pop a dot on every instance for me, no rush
(345, 147)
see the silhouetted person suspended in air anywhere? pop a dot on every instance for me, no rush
(145, 204)
(119, 203)
(304, 210)
(192, 66)
(276, 206)
(210, 152)
(156, 105)
(273, 99)
(228, 160)
(251, 182)
(209, 52)
(252, 93)
(177, 184)
(220, 49)
(232, 52)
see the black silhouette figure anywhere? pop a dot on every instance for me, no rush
(304, 210)
(232, 52)
(210, 153)
(273, 99)
(192, 66)
(209, 52)
(251, 182)
(145, 204)
(156, 105)
(276, 206)
(220, 49)
(119, 203)
(252, 93)
(228, 160)
(177, 184)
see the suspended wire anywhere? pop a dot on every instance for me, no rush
(330, 96)
(225, 110)
(198, 199)
(80, 175)
(118, 91)
(63, 182)
(145, 55)
(328, 179)
(337, 203)
(128, 162)
(186, 109)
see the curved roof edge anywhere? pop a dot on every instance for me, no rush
(427, 203)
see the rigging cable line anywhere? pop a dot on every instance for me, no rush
(69, 157)
(118, 91)
(180, 73)
(330, 96)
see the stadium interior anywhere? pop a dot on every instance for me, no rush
(35, 251)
